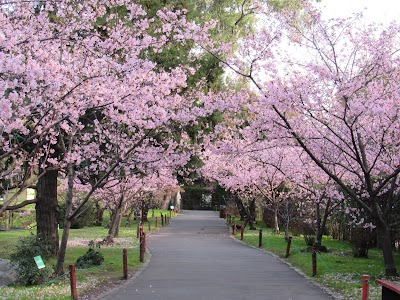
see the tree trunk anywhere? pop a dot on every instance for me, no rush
(63, 247)
(266, 215)
(321, 224)
(67, 222)
(47, 210)
(242, 211)
(252, 214)
(99, 214)
(386, 244)
(130, 216)
(6, 220)
(145, 211)
(276, 221)
(115, 223)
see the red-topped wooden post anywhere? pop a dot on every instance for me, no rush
(72, 279)
(260, 238)
(241, 232)
(365, 287)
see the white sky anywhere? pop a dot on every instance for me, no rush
(378, 11)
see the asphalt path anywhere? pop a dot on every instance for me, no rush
(195, 258)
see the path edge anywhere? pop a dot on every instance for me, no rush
(334, 295)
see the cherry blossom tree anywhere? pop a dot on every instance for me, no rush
(337, 101)
(79, 97)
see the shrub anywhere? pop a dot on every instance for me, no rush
(27, 272)
(86, 218)
(90, 258)
(361, 240)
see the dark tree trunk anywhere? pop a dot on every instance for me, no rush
(130, 216)
(252, 214)
(47, 210)
(386, 244)
(67, 222)
(115, 223)
(145, 211)
(99, 214)
(321, 224)
(276, 220)
(266, 215)
(6, 220)
(241, 209)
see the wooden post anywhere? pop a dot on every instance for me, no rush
(149, 225)
(260, 239)
(234, 228)
(142, 246)
(152, 213)
(314, 262)
(289, 242)
(138, 230)
(125, 263)
(365, 287)
(72, 279)
(156, 222)
(241, 232)
(165, 219)
(162, 220)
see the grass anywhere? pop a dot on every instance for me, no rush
(110, 272)
(337, 270)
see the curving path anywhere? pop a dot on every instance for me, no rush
(194, 258)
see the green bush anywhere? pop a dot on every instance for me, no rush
(23, 257)
(90, 258)
(361, 240)
(85, 219)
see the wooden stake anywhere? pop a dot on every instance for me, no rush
(125, 263)
(365, 287)
(289, 242)
(260, 239)
(314, 262)
(72, 277)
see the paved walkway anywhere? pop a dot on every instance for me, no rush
(194, 258)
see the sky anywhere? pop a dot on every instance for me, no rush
(379, 11)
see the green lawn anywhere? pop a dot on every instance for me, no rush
(337, 270)
(109, 271)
